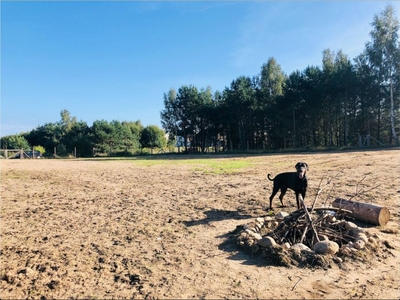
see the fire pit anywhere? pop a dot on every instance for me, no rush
(313, 237)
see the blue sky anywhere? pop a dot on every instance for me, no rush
(115, 60)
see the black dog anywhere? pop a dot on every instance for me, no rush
(297, 181)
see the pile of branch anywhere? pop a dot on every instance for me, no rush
(319, 230)
(310, 225)
(305, 227)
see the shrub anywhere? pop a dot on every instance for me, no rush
(40, 148)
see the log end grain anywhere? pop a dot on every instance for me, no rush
(384, 216)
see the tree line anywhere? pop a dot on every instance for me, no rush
(342, 103)
(72, 137)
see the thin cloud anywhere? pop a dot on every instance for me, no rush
(296, 34)
(188, 7)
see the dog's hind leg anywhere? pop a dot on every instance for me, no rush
(274, 191)
(283, 192)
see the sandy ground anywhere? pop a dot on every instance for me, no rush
(153, 228)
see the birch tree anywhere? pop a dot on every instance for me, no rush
(384, 56)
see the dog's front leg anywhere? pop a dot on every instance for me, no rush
(298, 200)
(303, 194)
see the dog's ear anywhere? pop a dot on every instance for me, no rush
(306, 166)
(297, 165)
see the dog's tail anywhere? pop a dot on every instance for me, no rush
(270, 177)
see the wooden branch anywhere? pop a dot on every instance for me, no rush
(321, 189)
(362, 192)
(319, 192)
(296, 227)
(358, 193)
(365, 176)
(304, 233)
(333, 209)
(309, 220)
(297, 283)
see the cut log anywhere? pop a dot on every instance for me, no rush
(370, 213)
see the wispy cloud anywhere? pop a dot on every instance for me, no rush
(254, 31)
(350, 34)
(188, 7)
(150, 6)
(296, 33)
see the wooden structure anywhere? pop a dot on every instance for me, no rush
(7, 152)
(370, 213)
(20, 153)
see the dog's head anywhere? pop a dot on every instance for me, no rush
(301, 169)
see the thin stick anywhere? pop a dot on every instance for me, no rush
(333, 185)
(362, 192)
(365, 176)
(297, 283)
(309, 219)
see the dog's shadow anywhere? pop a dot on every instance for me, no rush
(218, 215)
(229, 245)
(229, 239)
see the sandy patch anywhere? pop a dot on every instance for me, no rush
(123, 229)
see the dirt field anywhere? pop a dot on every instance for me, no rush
(163, 228)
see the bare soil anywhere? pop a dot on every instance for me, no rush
(103, 228)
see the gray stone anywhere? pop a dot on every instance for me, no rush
(363, 237)
(268, 219)
(281, 215)
(266, 242)
(359, 244)
(350, 225)
(260, 220)
(345, 250)
(300, 247)
(257, 236)
(326, 247)
(337, 260)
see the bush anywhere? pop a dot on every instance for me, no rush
(15, 142)
(40, 148)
